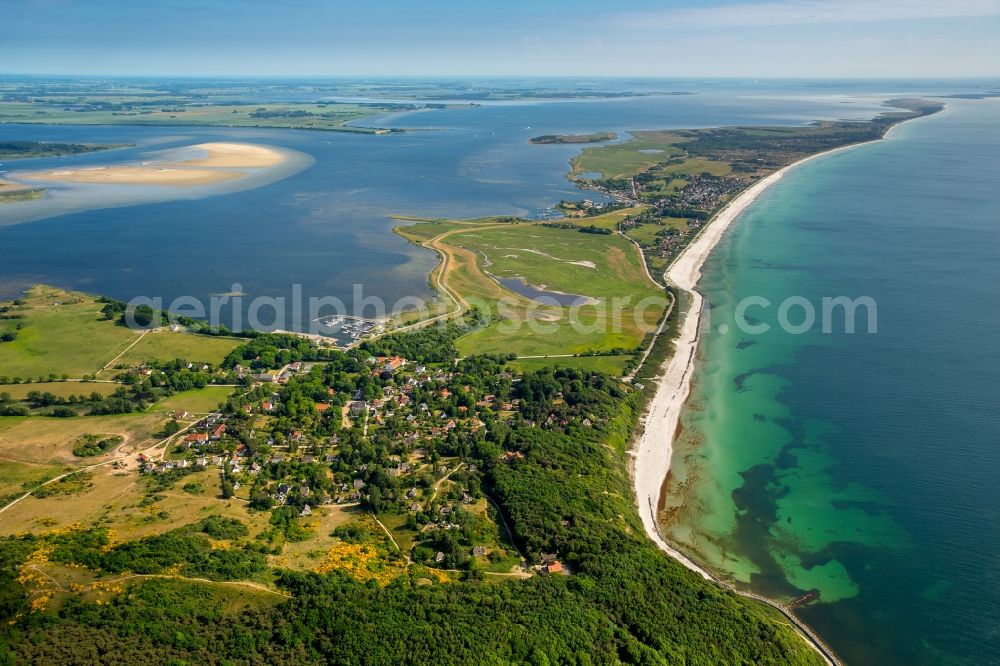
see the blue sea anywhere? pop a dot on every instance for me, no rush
(863, 466)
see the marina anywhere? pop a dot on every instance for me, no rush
(349, 330)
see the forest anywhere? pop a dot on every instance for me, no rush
(557, 472)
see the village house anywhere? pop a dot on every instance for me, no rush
(393, 364)
(196, 438)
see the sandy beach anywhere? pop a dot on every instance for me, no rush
(235, 155)
(652, 452)
(8, 186)
(222, 162)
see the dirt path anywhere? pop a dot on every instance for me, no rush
(239, 583)
(446, 252)
(161, 444)
(437, 486)
(134, 343)
(393, 539)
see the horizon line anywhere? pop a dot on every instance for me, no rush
(681, 77)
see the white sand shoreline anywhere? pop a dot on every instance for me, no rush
(652, 451)
(218, 162)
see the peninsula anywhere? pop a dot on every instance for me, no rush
(595, 137)
(16, 150)
(477, 469)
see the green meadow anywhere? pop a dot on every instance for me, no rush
(64, 333)
(612, 365)
(622, 160)
(196, 401)
(607, 269)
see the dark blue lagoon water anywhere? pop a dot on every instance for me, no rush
(864, 466)
(326, 227)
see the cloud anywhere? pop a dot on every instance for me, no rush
(796, 12)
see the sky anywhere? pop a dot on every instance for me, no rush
(714, 38)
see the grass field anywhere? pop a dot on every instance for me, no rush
(117, 500)
(662, 154)
(607, 269)
(605, 221)
(598, 266)
(197, 401)
(324, 520)
(646, 233)
(15, 476)
(66, 334)
(612, 365)
(44, 439)
(165, 345)
(622, 160)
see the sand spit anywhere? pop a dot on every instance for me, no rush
(222, 162)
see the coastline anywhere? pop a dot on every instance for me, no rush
(652, 450)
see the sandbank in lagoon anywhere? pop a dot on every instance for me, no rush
(221, 162)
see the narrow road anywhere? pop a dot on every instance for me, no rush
(440, 281)
(444, 478)
(659, 331)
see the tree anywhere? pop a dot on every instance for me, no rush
(142, 316)
(227, 487)
(375, 500)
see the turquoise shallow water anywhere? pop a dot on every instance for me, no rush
(865, 466)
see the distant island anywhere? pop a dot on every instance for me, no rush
(14, 150)
(594, 137)
(186, 104)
